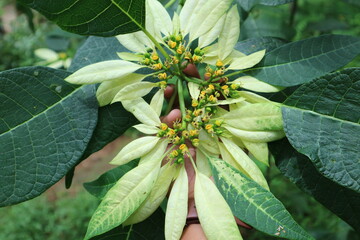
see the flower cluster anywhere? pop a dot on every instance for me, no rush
(222, 118)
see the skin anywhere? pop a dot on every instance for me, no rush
(193, 231)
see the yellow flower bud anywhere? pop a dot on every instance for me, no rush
(154, 56)
(174, 154)
(195, 142)
(188, 55)
(162, 76)
(185, 134)
(218, 123)
(163, 126)
(219, 72)
(146, 61)
(175, 60)
(178, 38)
(196, 58)
(194, 103)
(179, 51)
(206, 118)
(157, 66)
(183, 148)
(219, 63)
(212, 99)
(171, 132)
(207, 75)
(194, 133)
(198, 112)
(62, 55)
(234, 86)
(162, 84)
(209, 126)
(176, 140)
(187, 118)
(171, 44)
(195, 124)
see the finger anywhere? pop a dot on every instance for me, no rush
(241, 223)
(191, 71)
(169, 91)
(171, 117)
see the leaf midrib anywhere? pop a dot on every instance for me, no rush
(128, 15)
(323, 115)
(299, 60)
(43, 112)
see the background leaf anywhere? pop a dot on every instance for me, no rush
(300, 62)
(45, 126)
(299, 169)
(252, 45)
(150, 229)
(267, 22)
(253, 204)
(249, 4)
(322, 122)
(92, 17)
(101, 186)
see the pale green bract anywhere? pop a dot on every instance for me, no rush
(177, 207)
(214, 213)
(244, 129)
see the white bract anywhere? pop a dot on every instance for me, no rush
(53, 59)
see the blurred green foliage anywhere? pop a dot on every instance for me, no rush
(31, 31)
(40, 219)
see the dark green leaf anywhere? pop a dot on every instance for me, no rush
(93, 17)
(253, 204)
(101, 186)
(321, 120)
(300, 62)
(45, 125)
(298, 168)
(249, 4)
(150, 229)
(266, 22)
(256, 44)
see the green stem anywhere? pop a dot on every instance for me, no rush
(172, 100)
(157, 44)
(194, 80)
(182, 102)
(181, 4)
(170, 3)
(161, 49)
(193, 163)
(129, 232)
(234, 73)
